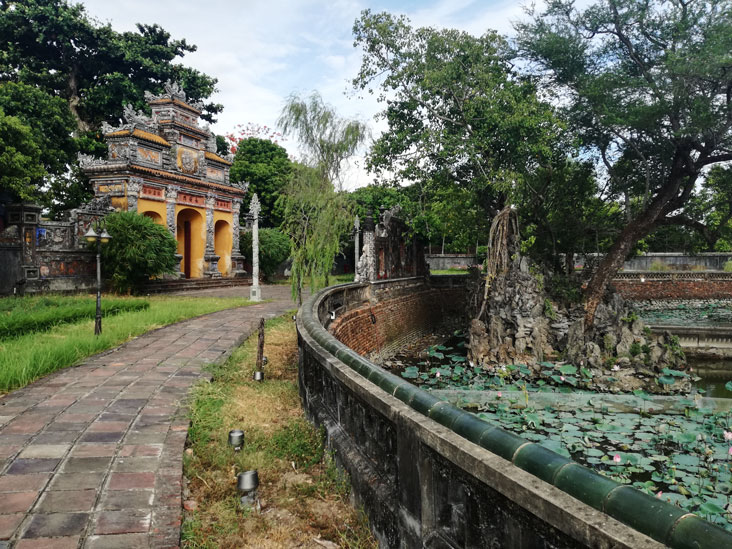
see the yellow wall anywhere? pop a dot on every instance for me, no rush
(145, 205)
(119, 203)
(223, 241)
(197, 217)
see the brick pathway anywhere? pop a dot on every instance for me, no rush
(92, 456)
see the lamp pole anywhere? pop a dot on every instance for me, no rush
(92, 236)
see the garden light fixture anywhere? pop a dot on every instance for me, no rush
(236, 439)
(100, 238)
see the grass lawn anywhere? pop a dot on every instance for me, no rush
(303, 498)
(25, 358)
(449, 272)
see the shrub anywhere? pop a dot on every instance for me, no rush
(139, 250)
(728, 266)
(274, 248)
(658, 265)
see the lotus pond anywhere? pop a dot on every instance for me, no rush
(681, 453)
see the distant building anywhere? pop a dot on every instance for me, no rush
(166, 167)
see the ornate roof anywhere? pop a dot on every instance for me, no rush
(216, 158)
(140, 134)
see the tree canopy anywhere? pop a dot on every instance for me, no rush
(56, 46)
(647, 88)
(266, 167)
(456, 110)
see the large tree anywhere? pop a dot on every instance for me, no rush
(327, 141)
(647, 85)
(266, 167)
(57, 46)
(456, 111)
(316, 216)
(20, 158)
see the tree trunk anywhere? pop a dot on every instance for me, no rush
(74, 100)
(633, 231)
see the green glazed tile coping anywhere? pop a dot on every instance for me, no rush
(422, 402)
(540, 461)
(584, 484)
(444, 413)
(501, 443)
(656, 519)
(471, 427)
(692, 532)
(405, 393)
(647, 514)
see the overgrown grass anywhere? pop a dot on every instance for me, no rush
(25, 358)
(449, 272)
(302, 495)
(22, 315)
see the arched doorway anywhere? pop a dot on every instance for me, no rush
(155, 216)
(222, 246)
(191, 235)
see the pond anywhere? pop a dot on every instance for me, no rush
(682, 455)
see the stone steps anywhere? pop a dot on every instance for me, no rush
(164, 286)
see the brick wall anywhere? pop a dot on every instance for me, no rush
(396, 316)
(674, 289)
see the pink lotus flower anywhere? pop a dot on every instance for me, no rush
(498, 394)
(437, 374)
(561, 377)
(659, 494)
(618, 459)
(727, 435)
(730, 451)
(616, 367)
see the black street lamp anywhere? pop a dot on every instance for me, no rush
(92, 236)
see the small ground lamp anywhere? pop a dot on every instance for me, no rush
(100, 238)
(247, 483)
(236, 439)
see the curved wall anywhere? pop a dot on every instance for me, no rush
(430, 475)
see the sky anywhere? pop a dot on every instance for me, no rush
(262, 51)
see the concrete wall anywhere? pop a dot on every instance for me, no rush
(665, 285)
(432, 476)
(678, 262)
(441, 262)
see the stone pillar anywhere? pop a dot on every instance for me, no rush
(356, 242)
(366, 271)
(254, 209)
(210, 254)
(134, 186)
(237, 260)
(171, 197)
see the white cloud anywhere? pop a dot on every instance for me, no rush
(263, 51)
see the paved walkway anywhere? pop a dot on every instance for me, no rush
(92, 456)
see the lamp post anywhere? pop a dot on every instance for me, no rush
(100, 238)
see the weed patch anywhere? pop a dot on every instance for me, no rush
(303, 496)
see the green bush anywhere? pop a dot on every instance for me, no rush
(728, 266)
(20, 316)
(274, 248)
(139, 250)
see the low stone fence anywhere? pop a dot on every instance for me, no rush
(653, 285)
(441, 262)
(430, 475)
(375, 320)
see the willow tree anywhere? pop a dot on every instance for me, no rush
(647, 86)
(326, 140)
(316, 215)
